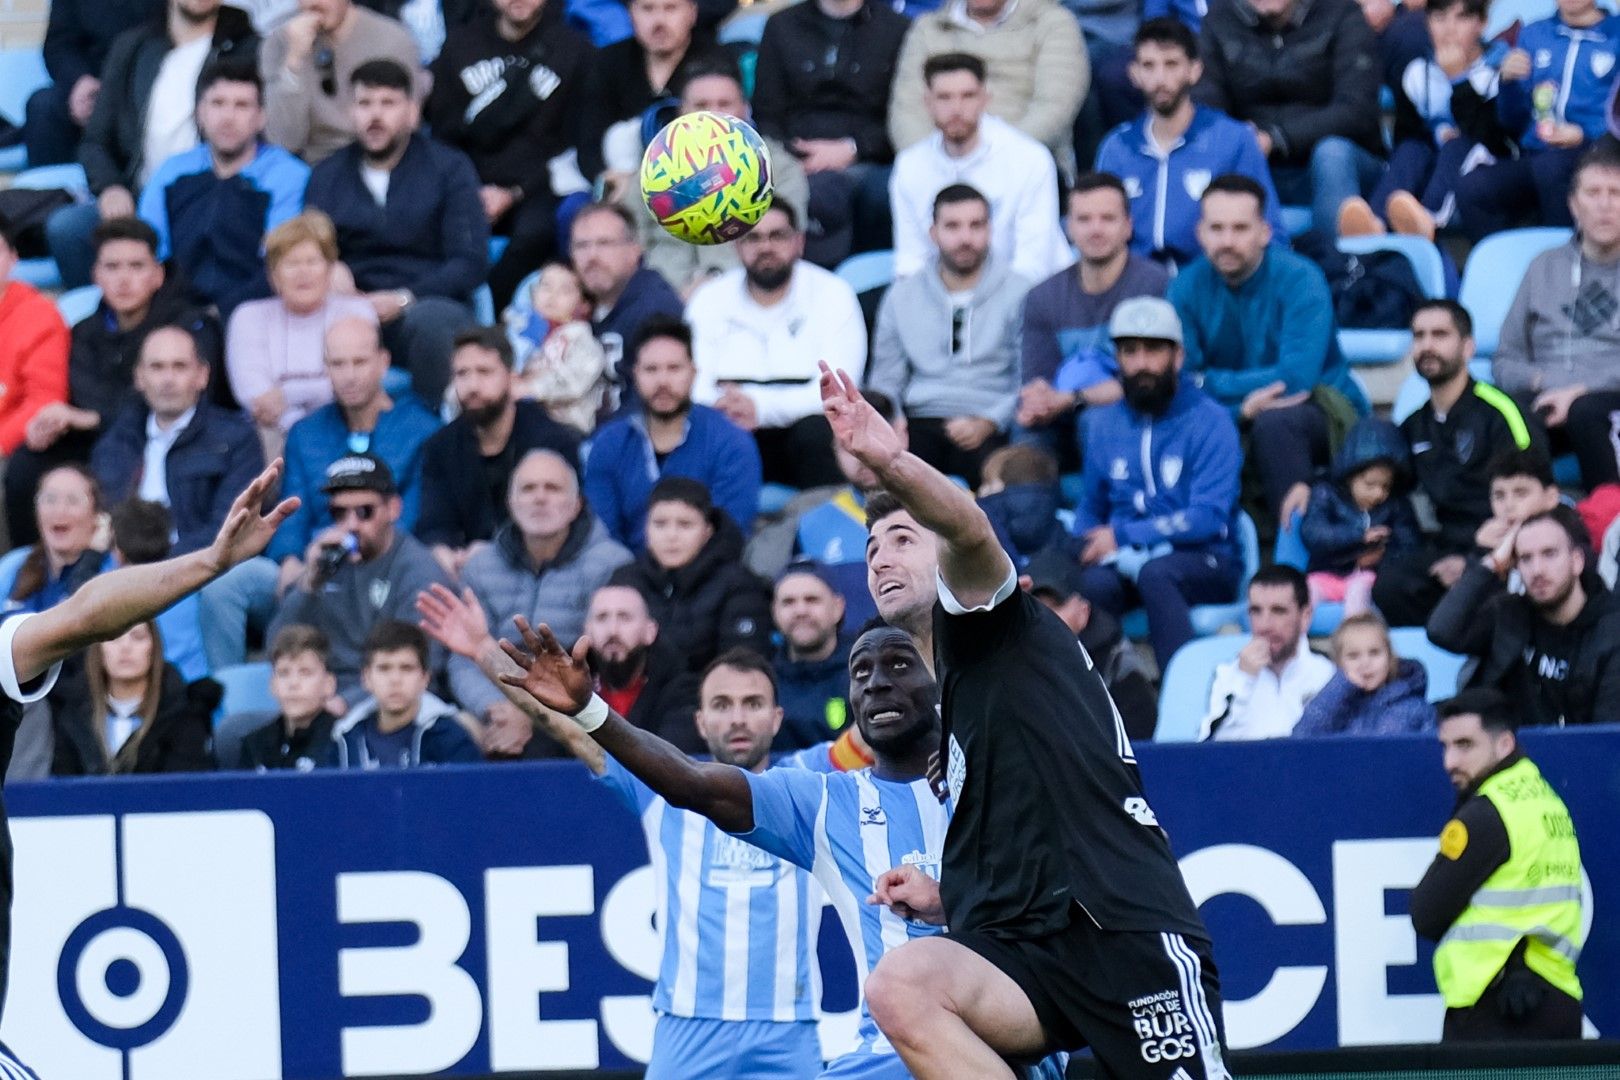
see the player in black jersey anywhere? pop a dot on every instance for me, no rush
(32, 647)
(1070, 925)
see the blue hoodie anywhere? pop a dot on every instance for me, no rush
(1188, 499)
(1577, 64)
(1333, 526)
(1165, 186)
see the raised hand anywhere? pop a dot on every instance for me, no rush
(456, 622)
(555, 679)
(858, 428)
(246, 531)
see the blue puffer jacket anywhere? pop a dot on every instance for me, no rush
(1334, 525)
(1578, 64)
(1189, 496)
(1399, 707)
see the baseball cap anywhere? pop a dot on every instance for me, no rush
(1145, 317)
(1055, 571)
(359, 472)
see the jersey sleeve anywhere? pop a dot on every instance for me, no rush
(8, 667)
(966, 634)
(787, 804)
(817, 758)
(632, 792)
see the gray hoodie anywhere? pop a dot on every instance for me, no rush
(1564, 326)
(912, 360)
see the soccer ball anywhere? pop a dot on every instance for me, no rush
(706, 178)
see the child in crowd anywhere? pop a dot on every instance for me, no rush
(300, 737)
(562, 365)
(1522, 486)
(401, 725)
(1374, 692)
(1019, 493)
(1359, 516)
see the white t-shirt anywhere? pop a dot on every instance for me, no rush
(376, 181)
(8, 666)
(121, 722)
(171, 122)
(155, 470)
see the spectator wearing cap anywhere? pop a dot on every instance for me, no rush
(361, 570)
(692, 577)
(607, 256)
(812, 661)
(1055, 581)
(545, 563)
(1157, 521)
(410, 224)
(664, 433)
(177, 448)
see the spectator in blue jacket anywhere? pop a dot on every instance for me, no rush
(1374, 692)
(410, 224)
(176, 447)
(1554, 102)
(1260, 336)
(1156, 524)
(1168, 155)
(213, 204)
(666, 434)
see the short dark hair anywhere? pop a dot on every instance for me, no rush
(611, 208)
(951, 194)
(1021, 463)
(1566, 518)
(785, 208)
(708, 67)
(1167, 31)
(879, 506)
(233, 69)
(189, 334)
(1493, 708)
(945, 63)
(141, 531)
(655, 327)
(490, 338)
(297, 639)
(1474, 8)
(741, 658)
(1086, 183)
(125, 228)
(1460, 319)
(382, 73)
(1530, 461)
(1236, 184)
(1287, 576)
(391, 635)
(682, 489)
(1604, 154)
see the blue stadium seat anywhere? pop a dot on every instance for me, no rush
(22, 71)
(868, 270)
(1444, 668)
(497, 248)
(247, 689)
(1492, 275)
(1383, 346)
(1184, 690)
(484, 306)
(79, 304)
(746, 27)
(773, 498)
(42, 273)
(1211, 619)
(1296, 219)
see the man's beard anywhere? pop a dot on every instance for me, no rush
(1556, 600)
(1149, 393)
(485, 415)
(769, 278)
(964, 262)
(386, 151)
(617, 674)
(1445, 370)
(1169, 107)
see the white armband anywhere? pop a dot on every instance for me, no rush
(592, 716)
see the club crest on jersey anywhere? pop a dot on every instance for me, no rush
(1195, 181)
(379, 592)
(1170, 470)
(1119, 470)
(1133, 187)
(1602, 63)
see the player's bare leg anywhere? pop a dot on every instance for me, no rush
(950, 1013)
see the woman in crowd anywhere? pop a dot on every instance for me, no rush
(1374, 692)
(68, 510)
(275, 348)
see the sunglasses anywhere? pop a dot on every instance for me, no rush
(363, 512)
(326, 64)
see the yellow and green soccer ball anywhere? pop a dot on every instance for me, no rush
(706, 178)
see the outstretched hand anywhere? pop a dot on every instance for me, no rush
(857, 427)
(456, 622)
(246, 532)
(551, 676)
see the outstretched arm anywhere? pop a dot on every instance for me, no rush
(110, 604)
(562, 682)
(971, 561)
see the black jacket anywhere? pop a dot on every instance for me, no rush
(101, 359)
(176, 740)
(80, 32)
(111, 149)
(711, 604)
(269, 747)
(1581, 686)
(510, 106)
(1316, 76)
(823, 78)
(616, 88)
(457, 506)
(431, 237)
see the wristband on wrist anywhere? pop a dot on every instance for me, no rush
(593, 715)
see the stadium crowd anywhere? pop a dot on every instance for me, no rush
(402, 246)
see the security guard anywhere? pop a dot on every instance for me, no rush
(1503, 896)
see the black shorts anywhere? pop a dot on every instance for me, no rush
(1148, 1005)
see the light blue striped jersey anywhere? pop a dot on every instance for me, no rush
(739, 925)
(847, 828)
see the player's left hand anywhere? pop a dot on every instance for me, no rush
(246, 531)
(551, 676)
(910, 894)
(858, 428)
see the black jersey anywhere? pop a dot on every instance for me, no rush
(1047, 804)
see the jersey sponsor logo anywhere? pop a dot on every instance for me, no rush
(1162, 1027)
(736, 862)
(1139, 810)
(1453, 839)
(956, 772)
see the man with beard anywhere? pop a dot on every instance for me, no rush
(1168, 155)
(1555, 650)
(1156, 523)
(1454, 438)
(496, 431)
(607, 258)
(758, 333)
(410, 224)
(663, 433)
(947, 341)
